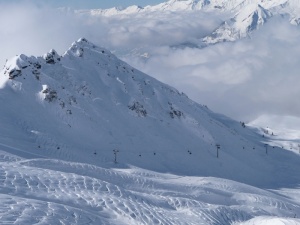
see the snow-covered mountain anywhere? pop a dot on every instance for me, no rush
(78, 131)
(83, 105)
(245, 16)
(247, 19)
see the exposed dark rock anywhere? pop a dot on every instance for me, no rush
(14, 73)
(50, 95)
(174, 112)
(52, 57)
(37, 65)
(138, 108)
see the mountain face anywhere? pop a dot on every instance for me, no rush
(89, 106)
(241, 25)
(247, 15)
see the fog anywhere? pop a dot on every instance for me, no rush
(243, 80)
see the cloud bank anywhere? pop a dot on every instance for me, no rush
(243, 79)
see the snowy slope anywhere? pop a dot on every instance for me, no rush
(87, 103)
(282, 131)
(62, 117)
(247, 20)
(250, 15)
(47, 191)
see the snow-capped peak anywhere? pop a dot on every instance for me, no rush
(51, 57)
(187, 5)
(247, 15)
(241, 25)
(78, 131)
(174, 5)
(88, 101)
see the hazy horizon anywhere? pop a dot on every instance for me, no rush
(87, 4)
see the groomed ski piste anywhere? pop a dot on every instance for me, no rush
(62, 117)
(48, 191)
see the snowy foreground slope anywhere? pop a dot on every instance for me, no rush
(62, 117)
(48, 191)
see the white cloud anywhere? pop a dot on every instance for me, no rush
(242, 79)
(28, 29)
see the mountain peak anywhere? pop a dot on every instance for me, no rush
(244, 22)
(51, 57)
(88, 100)
(83, 42)
(81, 45)
(247, 15)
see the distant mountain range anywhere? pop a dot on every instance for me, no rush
(246, 15)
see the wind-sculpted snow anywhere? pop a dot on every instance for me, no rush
(265, 220)
(45, 191)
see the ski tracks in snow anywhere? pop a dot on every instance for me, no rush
(46, 191)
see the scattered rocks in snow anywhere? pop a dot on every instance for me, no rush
(138, 108)
(72, 100)
(174, 112)
(37, 65)
(14, 73)
(52, 57)
(62, 104)
(49, 94)
(84, 90)
(36, 73)
(80, 52)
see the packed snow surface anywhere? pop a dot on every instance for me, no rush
(48, 191)
(87, 139)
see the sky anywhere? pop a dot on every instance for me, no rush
(88, 4)
(244, 80)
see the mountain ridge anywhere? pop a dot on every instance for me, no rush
(86, 103)
(246, 15)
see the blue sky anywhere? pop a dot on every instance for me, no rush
(85, 4)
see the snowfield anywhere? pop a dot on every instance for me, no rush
(271, 221)
(47, 191)
(63, 118)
